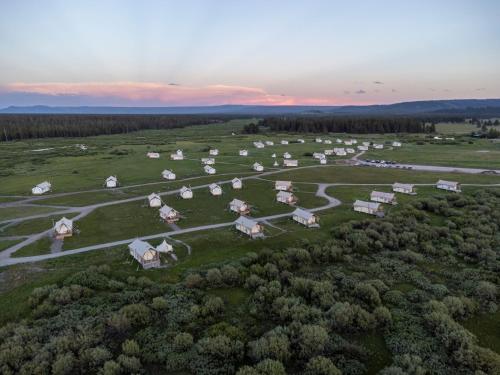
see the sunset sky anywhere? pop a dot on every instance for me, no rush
(193, 52)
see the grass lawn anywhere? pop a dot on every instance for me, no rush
(480, 154)
(42, 246)
(4, 244)
(8, 213)
(368, 175)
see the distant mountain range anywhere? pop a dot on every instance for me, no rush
(459, 107)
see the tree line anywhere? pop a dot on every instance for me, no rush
(16, 127)
(357, 125)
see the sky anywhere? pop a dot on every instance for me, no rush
(269, 52)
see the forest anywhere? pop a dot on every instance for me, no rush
(356, 125)
(13, 127)
(411, 279)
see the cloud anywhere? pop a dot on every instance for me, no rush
(378, 83)
(394, 90)
(481, 89)
(173, 84)
(361, 92)
(152, 94)
(347, 92)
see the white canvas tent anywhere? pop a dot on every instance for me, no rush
(305, 218)
(283, 185)
(111, 182)
(209, 170)
(249, 227)
(169, 214)
(168, 175)
(379, 196)
(403, 188)
(236, 183)
(215, 189)
(185, 193)
(154, 200)
(63, 228)
(144, 253)
(239, 206)
(41, 188)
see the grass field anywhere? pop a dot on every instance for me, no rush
(71, 170)
(480, 154)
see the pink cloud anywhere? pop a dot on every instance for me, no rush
(131, 93)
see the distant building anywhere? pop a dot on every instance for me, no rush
(339, 151)
(213, 152)
(287, 155)
(258, 167)
(269, 143)
(290, 163)
(165, 247)
(145, 254)
(305, 218)
(153, 155)
(371, 208)
(209, 170)
(283, 185)
(348, 142)
(362, 148)
(249, 227)
(185, 193)
(300, 140)
(237, 183)
(322, 161)
(329, 152)
(379, 196)
(449, 185)
(178, 155)
(41, 188)
(154, 200)
(63, 228)
(327, 142)
(208, 161)
(111, 182)
(169, 214)
(286, 197)
(338, 140)
(239, 206)
(243, 152)
(378, 146)
(215, 189)
(318, 155)
(168, 175)
(284, 142)
(318, 140)
(350, 150)
(396, 144)
(403, 188)
(259, 144)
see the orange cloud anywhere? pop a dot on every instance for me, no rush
(168, 94)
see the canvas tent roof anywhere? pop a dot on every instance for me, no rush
(403, 186)
(140, 247)
(303, 213)
(164, 247)
(66, 222)
(370, 205)
(450, 183)
(246, 222)
(381, 194)
(166, 209)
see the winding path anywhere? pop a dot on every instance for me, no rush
(5, 255)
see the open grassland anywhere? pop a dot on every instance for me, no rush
(480, 153)
(8, 213)
(372, 175)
